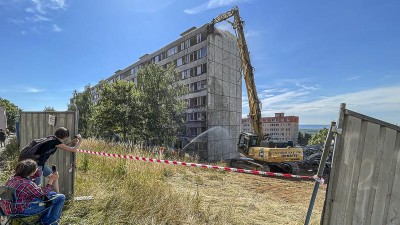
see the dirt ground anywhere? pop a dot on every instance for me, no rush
(252, 199)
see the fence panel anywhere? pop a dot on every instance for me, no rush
(364, 181)
(36, 125)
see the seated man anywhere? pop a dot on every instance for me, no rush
(28, 191)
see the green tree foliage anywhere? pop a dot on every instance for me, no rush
(303, 139)
(319, 137)
(161, 103)
(49, 109)
(12, 112)
(118, 110)
(84, 102)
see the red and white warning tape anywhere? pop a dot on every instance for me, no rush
(256, 172)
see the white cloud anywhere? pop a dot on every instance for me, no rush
(38, 11)
(33, 90)
(306, 87)
(37, 18)
(41, 6)
(212, 4)
(16, 21)
(251, 33)
(382, 103)
(56, 28)
(353, 78)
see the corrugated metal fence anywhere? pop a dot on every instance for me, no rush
(42, 124)
(364, 185)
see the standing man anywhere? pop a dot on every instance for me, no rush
(2, 138)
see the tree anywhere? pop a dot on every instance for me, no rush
(84, 102)
(12, 113)
(49, 109)
(307, 137)
(161, 103)
(118, 110)
(303, 139)
(319, 137)
(300, 138)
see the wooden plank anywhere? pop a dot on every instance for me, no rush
(41, 118)
(336, 159)
(69, 159)
(354, 173)
(367, 169)
(343, 170)
(29, 128)
(377, 210)
(373, 120)
(22, 130)
(35, 126)
(378, 160)
(393, 211)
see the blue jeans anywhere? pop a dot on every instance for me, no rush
(53, 214)
(46, 171)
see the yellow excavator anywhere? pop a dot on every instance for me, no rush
(260, 153)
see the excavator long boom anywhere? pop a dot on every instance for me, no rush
(248, 73)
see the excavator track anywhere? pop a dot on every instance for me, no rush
(291, 167)
(248, 164)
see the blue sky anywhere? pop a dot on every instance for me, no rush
(309, 56)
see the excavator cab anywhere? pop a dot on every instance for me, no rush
(246, 141)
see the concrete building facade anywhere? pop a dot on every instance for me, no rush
(209, 63)
(280, 128)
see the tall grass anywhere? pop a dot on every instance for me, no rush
(8, 159)
(136, 192)
(132, 192)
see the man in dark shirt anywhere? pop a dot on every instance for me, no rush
(50, 147)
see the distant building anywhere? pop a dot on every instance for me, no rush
(280, 128)
(209, 63)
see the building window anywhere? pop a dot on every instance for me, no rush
(179, 62)
(172, 51)
(198, 38)
(181, 46)
(162, 55)
(203, 100)
(192, 41)
(203, 84)
(184, 74)
(193, 102)
(193, 131)
(187, 44)
(198, 70)
(202, 53)
(204, 68)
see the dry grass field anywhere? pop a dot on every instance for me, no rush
(134, 192)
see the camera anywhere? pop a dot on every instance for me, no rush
(54, 168)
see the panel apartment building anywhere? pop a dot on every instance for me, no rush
(209, 63)
(281, 128)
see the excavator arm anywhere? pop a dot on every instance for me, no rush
(248, 72)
